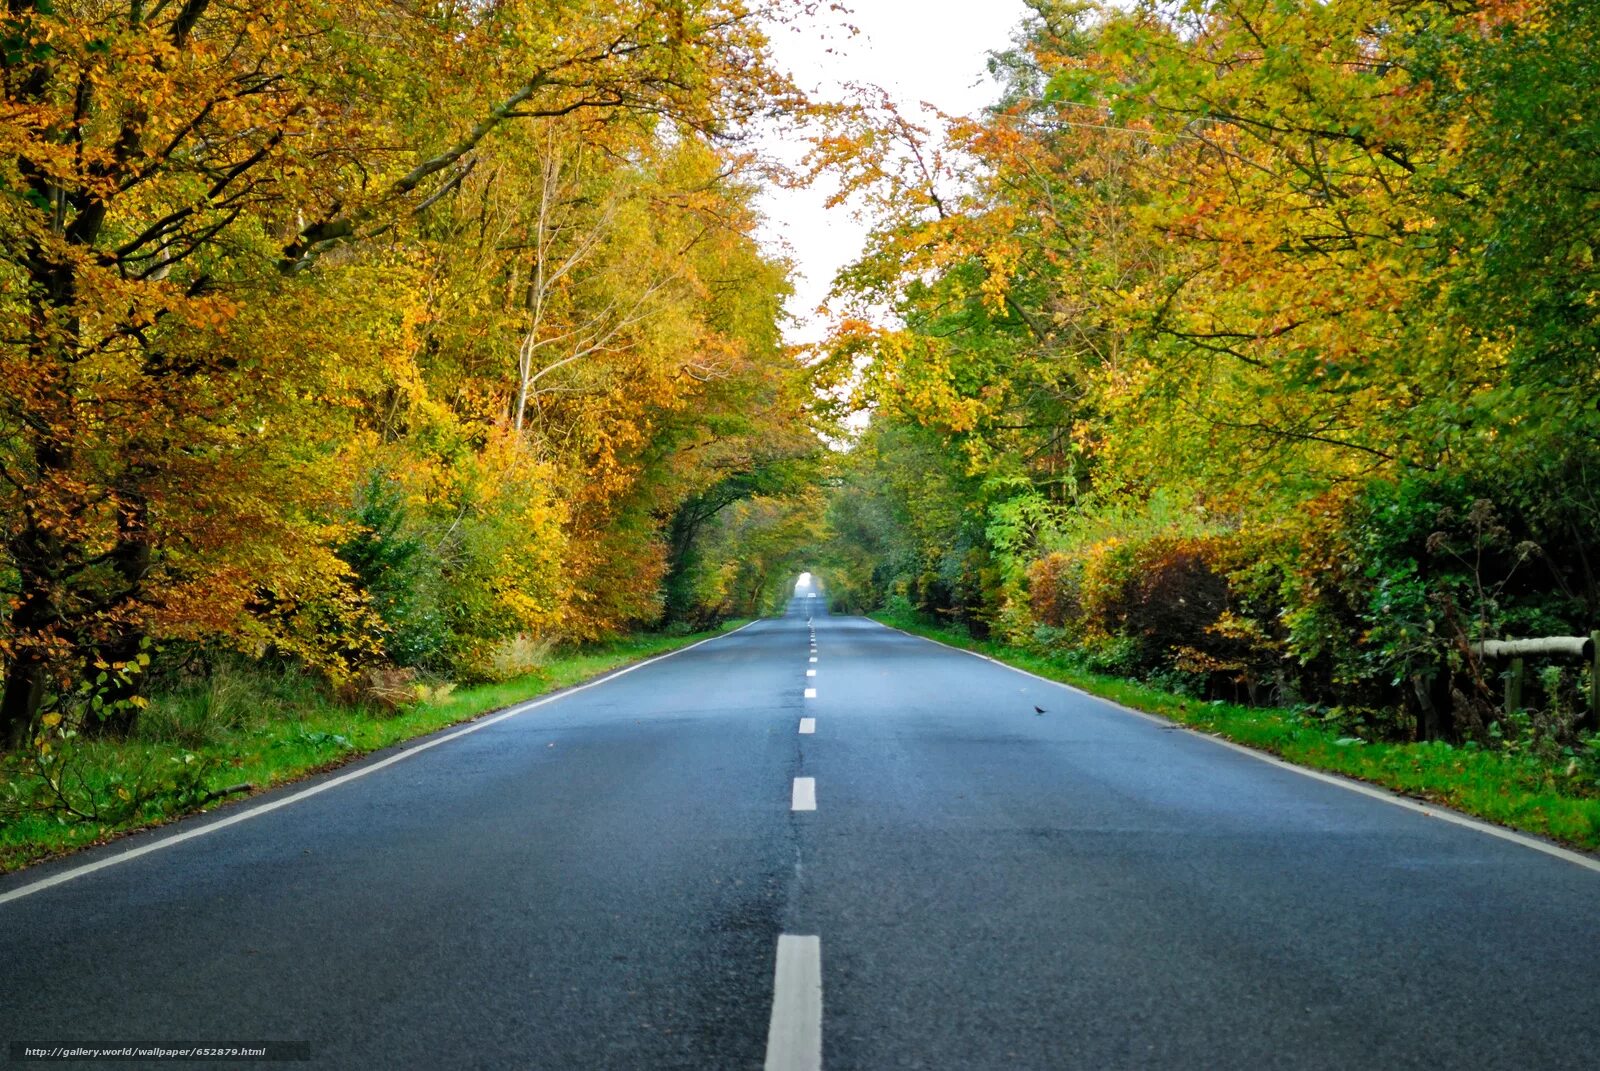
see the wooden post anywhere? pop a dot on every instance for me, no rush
(1594, 682)
(1514, 687)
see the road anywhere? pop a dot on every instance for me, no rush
(605, 881)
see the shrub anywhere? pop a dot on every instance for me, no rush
(899, 606)
(518, 656)
(388, 689)
(401, 579)
(1054, 588)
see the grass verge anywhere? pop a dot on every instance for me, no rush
(1556, 797)
(303, 734)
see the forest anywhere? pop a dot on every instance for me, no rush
(356, 351)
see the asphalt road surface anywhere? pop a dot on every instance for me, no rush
(668, 870)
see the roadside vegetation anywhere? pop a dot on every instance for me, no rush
(239, 728)
(1250, 351)
(355, 352)
(359, 352)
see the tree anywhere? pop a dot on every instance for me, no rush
(184, 186)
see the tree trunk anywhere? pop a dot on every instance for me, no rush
(19, 703)
(1430, 694)
(35, 554)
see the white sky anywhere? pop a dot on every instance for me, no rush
(919, 50)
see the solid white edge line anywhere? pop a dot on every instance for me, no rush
(803, 797)
(305, 793)
(1383, 795)
(808, 726)
(794, 1035)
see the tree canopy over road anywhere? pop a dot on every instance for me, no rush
(1246, 347)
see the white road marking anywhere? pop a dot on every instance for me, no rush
(1382, 795)
(813, 658)
(808, 726)
(811, 673)
(794, 1037)
(323, 786)
(804, 795)
(811, 693)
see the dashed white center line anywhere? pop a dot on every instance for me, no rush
(811, 673)
(811, 693)
(804, 796)
(813, 658)
(794, 1037)
(808, 726)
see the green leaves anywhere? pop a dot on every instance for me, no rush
(1315, 282)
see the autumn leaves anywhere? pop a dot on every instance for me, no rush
(355, 333)
(1242, 303)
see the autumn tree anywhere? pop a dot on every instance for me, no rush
(190, 193)
(1281, 292)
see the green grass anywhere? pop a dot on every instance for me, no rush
(1556, 797)
(244, 727)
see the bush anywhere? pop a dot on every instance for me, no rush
(1154, 604)
(385, 689)
(203, 710)
(1163, 594)
(899, 606)
(1381, 592)
(519, 656)
(401, 579)
(1171, 598)
(1054, 589)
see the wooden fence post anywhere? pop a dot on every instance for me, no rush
(1594, 682)
(1514, 687)
(1587, 647)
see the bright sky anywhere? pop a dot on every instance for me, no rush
(919, 50)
